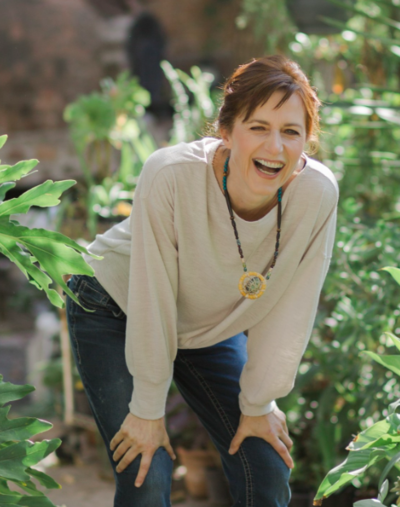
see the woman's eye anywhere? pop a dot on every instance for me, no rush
(292, 132)
(257, 128)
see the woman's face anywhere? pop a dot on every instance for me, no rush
(266, 149)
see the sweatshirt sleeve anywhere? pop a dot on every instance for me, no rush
(151, 335)
(276, 345)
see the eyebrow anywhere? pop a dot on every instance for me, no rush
(267, 123)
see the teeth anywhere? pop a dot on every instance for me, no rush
(270, 165)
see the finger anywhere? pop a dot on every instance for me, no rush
(236, 442)
(283, 452)
(145, 463)
(118, 437)
(123, 447)
(127, 459)
(286, 440)
(170, 451)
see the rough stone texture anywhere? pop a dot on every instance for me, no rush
(47, 59)
(54, 51)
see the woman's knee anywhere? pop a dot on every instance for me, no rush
(264, 474)
(157, 482)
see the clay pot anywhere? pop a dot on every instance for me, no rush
(196, 462)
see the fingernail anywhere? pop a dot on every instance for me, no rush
(174, 456)
(138, 484)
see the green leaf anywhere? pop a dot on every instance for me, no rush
(373, 502)
(15, 458)
(13, 497)
(35, 501)
(3, 140)
(45, 195)
(355, 465)
(387, 469)
(372, 434)
(29, 487)
(44, 479)
(17, 171)
(4, 188)
(11, 466)
(12, 392)
(383, 491)
(39, 450)
(56, 254)
(395, 340)
(390, 362)
(20, 428)
(395, 272)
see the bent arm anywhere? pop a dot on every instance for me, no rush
(151, 335)
(276, 345)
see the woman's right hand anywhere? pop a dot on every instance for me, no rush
(139, 436)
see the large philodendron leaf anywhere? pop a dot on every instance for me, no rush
(20, 428)
(17, 171)
(354, 466)
(35, 501)
(44, 195)
(43, 479)
(56, 254)
(14, 459)
(4, 188)
(11, 392)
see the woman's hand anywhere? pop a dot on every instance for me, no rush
(271, 427)
(139, 436)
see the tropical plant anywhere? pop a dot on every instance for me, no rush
(112, 143)
(43, 256)
(191, 116)
(336, 391)
(377, 442)
(19, 455)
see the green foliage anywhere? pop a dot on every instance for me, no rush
(377, 442)
(270, 21)
(190, 119)
(336, 389)
(18, 454)
(43, 256)
(103, 125)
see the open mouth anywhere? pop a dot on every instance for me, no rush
(270, 168)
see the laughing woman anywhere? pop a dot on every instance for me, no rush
(228, 234)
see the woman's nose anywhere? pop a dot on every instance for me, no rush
(274, 143)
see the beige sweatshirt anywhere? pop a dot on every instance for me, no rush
(173, 267)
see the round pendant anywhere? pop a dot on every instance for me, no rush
(252, 285)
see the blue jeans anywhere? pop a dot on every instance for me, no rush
(208, 379)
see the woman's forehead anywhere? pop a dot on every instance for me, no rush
(293, 109)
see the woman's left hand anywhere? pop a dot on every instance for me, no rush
(271, 427)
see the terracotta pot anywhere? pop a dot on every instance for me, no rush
(196, 461)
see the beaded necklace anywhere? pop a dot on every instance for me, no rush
(252, 285)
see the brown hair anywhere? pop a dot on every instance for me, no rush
(253, 83)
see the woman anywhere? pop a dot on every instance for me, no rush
(249, 207)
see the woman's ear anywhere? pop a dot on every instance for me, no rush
(226, 138)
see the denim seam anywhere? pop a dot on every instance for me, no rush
(82, 374)
(228, 425)
(73, 326)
